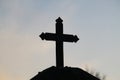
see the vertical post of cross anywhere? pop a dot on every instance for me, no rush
(59, 43)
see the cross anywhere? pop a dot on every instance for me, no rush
(59, 37)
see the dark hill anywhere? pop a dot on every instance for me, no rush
(66, 73)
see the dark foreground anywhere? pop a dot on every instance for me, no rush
(66, 73)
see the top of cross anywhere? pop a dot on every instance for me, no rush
(59, 20)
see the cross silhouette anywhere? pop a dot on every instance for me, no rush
(59, 37)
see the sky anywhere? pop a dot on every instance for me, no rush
(96, 22)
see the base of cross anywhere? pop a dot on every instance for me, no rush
(64, 73)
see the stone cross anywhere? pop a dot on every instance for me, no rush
(59, 37)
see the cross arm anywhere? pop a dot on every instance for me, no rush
(59, 37)
(69, 38)
(48, 36)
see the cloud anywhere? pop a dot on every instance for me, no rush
(22, 53)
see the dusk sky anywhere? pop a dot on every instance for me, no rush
(96, 22)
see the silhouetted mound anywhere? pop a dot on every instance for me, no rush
(66, 73)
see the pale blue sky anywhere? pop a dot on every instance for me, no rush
(23, 54)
